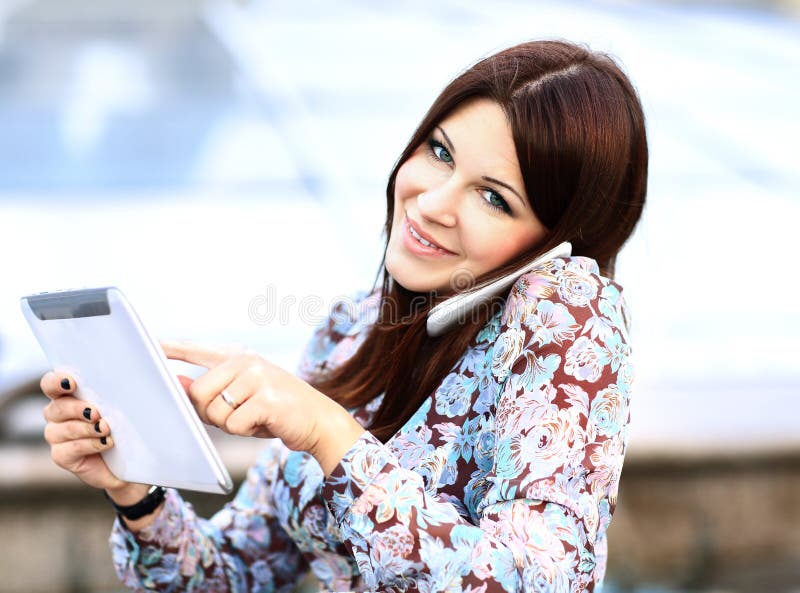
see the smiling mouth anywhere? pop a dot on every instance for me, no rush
(423, 241)
(420, 239)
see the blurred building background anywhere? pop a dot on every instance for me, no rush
(204, 155)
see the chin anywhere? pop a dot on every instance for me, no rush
(406, 273)
(411, 284)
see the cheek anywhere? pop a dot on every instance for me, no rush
(404, 186)
(402, 181)
(413, 178)
(494, 245)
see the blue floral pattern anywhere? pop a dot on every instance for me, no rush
(505, 479)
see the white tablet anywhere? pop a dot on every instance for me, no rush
(95, 335)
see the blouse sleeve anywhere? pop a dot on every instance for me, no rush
(243, 547)
(562, 364)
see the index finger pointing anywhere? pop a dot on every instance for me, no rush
(193, 353)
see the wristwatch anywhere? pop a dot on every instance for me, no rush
(153, 498)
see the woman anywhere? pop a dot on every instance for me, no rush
(486, 459)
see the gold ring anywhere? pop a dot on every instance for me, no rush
(228, 399)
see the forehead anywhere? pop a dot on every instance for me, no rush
(481, 136)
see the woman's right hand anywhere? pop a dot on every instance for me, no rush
(77, 434)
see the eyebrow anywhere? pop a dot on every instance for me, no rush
(484, 177)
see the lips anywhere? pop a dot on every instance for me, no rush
(425, 236)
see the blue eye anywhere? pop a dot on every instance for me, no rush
(440, 153)
(494, 201)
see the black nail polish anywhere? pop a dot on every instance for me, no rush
(103, 441)
(87, 413)
(97, 426)
(64, 383)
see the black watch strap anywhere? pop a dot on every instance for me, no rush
(153, 498)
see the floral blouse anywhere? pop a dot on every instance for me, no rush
(505, 479)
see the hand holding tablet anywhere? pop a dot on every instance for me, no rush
(119, 373)
(76, 433)
(153, 434)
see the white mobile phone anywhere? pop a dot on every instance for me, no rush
(95, 335)
(447, 314)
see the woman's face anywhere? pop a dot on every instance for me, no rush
(461, 190)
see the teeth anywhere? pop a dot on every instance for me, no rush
(420, 239)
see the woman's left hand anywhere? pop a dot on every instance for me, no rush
(267, 401)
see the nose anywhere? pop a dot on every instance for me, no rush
(439, 205)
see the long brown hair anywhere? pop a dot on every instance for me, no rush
(579, 133)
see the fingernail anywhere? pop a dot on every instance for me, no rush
(97, 427)
(103, 441)
(64, 383)
(87, 413)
